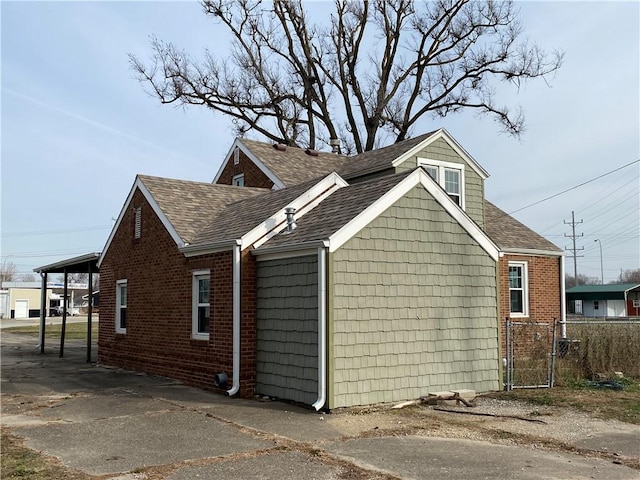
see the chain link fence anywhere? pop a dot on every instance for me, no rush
(592, 349)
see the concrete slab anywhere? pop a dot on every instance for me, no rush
(421, 457)
(277, 465)
(107, 405)
(120, 444)
(622, 443)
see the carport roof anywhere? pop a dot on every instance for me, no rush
(82, 264)
(601, 292)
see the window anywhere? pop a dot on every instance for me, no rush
(238, 180)
(596, 305)
(137, 229)
(121, 306)
(450, 176)
(201, 307)
(518, 289)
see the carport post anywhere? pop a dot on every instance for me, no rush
(43, 310)
(89, 311)
(64, 314)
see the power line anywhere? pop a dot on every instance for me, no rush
(577, 186)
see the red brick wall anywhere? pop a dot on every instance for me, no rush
(544, 289)
(253, 176)
(159, 282)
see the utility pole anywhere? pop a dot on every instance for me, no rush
(574, 250)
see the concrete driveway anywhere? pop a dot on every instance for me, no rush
(116, 424)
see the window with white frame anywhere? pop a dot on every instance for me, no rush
(201, 316)
(121, 306)
(238, 180)
(449, 175)
(518, 289)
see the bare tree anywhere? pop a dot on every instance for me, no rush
(28, 277)
(629, 276)
(365, 76)
(7, 271)
(75, 278)
(581, 279)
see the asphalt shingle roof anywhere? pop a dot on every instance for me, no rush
(189, 206)
(381, 158)
(294, 166)
(508, 233)
(237, 218)
(336, 211)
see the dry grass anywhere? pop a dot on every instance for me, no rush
(597, 351)
(19, 462)
(73, 331)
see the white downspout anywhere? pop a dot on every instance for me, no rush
(322, 329)
(563, 299)
(236, 320)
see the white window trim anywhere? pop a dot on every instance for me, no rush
(442, 166)
(525, 290)
(119, 284)
(239, 176)
(196, 274)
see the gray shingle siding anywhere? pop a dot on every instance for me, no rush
(287, 329)
(414, 308)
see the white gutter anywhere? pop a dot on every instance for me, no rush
(322, 329)
(563, 299)
(236, 320)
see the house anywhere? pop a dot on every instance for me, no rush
(322, 279)
(615, 300)
(24, 299)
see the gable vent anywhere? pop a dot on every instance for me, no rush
(281, 147)
(236, 156)
(137, 231)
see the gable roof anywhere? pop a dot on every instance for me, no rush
(189, 206)
(293, 165)
(514, 237)
(350, 209)
(251, 219)
(288, 167)
(182, 206)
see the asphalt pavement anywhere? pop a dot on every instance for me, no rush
(124, 425)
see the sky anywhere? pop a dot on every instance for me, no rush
(76, 126)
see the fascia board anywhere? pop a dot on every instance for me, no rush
(303, 204)
(418, 176)
(530, 251)
(263, 168)
(286, 251)
(446, 136)
(125, 206)
(139, 185)
(205, 249)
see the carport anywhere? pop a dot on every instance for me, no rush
(87, 263)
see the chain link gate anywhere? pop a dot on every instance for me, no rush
(530, 354)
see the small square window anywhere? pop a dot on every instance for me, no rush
(238, 180)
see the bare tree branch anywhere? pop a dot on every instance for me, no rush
(366, 75)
